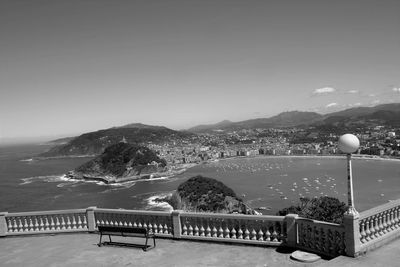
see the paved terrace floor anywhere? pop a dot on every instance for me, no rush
(82, 250)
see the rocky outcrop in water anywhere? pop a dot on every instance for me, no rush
(121, 162)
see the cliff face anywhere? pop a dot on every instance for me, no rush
(202, 194)
(120, 161)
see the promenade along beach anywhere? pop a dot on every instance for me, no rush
(269, 182)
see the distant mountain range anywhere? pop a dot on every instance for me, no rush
(386, 114)
(94, 143)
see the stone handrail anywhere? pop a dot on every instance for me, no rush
(237, 228)
(378, 225)
(41, 222)
(321, 237)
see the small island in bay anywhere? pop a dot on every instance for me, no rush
(123, 162)
(203, 194)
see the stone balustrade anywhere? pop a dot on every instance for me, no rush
(379, 225)
(235, 228)
(357, 234)
(157, 221)
(46, 222)
(321, 237)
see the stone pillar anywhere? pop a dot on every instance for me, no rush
(352, 234)
(91, 221)
(291, 230)
(176, 223)
(3, 224)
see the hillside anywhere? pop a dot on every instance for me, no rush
(385, 114)
(94, 143)
(285, 119)
(121, 160)
(202, 194)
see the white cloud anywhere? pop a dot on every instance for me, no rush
(331, 105)
(396, 89)
(375, 101)
(371, 95)
(352, 92)
(324, 90)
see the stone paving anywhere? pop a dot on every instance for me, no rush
(82, 250)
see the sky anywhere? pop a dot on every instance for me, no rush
(69, 67)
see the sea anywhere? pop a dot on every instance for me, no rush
(266, 183)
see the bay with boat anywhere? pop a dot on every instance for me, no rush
(266, 183)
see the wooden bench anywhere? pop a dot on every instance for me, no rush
(125, 231)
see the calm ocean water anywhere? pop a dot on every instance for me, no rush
(275, 183)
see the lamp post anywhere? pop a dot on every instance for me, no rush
(348, 144)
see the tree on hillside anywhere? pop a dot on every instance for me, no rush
(328, 209)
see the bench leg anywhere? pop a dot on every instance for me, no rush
(99, 244)
(154, 241)
(109, 237)
(145, 246)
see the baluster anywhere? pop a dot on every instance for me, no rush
(190, 229)
(267, 234)
(20, 226)
(73, 221)
(57, 223)
(274, 236)
(227, 232)
(36, 224)
(377, 225)
(184, 230)
(155, 228)
(46, 224)
(62, 223)
(392, 222)
(384, 222)
(362, 232)
(196, 230)
(69, 226)
(260, 235)
(208, 231)
(84, 223)
(9, 225)
(233, 232)
(26, 226)
(247, 234)
(214, 232)
(52, 223)
(31, 225)
(240, 233)
(389, 220)
(369, 229)
(220, 232)
(396, 217)
(253, 234)
(166, 229)
(80, 226)
(41, 224)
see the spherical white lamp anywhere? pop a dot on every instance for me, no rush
(348, 143)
